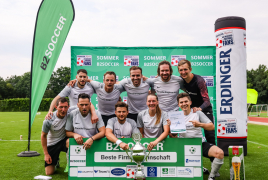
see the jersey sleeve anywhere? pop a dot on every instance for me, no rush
(180, 81)
(139, 121)
(95, 84)
(100, 122)
(46, 126)
(150, 81)
(204, 92)
(134, 127)
(69, 124)
(90, 86)
(65, 92)
(120, 87)
(110, 123)
(164, 118)
(203, 118)
(124, 82)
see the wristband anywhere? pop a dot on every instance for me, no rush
(92, 138)
(118, 142)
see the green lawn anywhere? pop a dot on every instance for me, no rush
(14, 124)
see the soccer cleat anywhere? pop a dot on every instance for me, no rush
(211, 178)
(205, 170)
(67, 168)
(58, 163)
(217, 174)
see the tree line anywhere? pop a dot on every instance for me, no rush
(19, 86)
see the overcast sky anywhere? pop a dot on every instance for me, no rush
(131, 23)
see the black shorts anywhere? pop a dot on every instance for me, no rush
(133, 116)
(210, 135)
(54, 151)
(205, 148)
(106, 118)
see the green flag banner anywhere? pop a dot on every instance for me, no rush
(53, 23)
(252, 96)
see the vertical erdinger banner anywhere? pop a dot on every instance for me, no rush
(53, 23)
(231, 87)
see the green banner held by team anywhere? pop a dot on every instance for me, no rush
(53, 23)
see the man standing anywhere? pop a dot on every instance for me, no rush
(194, 122)
(166, 86)
(108, 94)
(81, 86)
(196, 87)
(120, 126)
(79, 123)
(137, 91)
(53, 137)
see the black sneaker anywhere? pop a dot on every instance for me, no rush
(205, 170)
(211, 178)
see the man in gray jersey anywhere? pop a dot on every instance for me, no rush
(137, 91)
(166, 86)
(53, 137)
(81, 86)
(120, 126)
(108, 94)
(194, 122)
(79, 125)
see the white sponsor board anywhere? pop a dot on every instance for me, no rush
(192, 161)
(152, 171)
(231, 91)
(131, 169)
(185, 172)
(73, 172)
(85, 172)
(77, 160)
(168, 172)
(194, 150)
(118, 172)
(77, 150)
(197, 172)
(101, 171)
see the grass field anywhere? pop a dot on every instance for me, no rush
(12, 125)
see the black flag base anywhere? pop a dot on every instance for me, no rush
(28, 154)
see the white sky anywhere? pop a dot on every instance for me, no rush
(131, 23)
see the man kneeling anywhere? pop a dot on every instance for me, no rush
(53, 136)
(120, 126)
(194, 122)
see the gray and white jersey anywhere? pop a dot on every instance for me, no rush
(136, 95)
(82, 125)
(151, 130)
(191, 131)
(167, 92)
(73, 92)
(55, 127)
(125, 129)
(107, 101)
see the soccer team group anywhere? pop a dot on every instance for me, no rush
(148, 102)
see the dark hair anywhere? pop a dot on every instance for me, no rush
(158, 110)
(62, 100)
(110, 73)
(162, 63)
(182, 95)
(121, 104)
(135, 68)
(83, 96)
(184, 61)
(82, 70)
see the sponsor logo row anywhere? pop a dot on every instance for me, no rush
(129, 171)
(86, 60)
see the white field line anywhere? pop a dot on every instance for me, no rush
(258, 143)
(259, 123)
(19, 140)
(22, 120)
